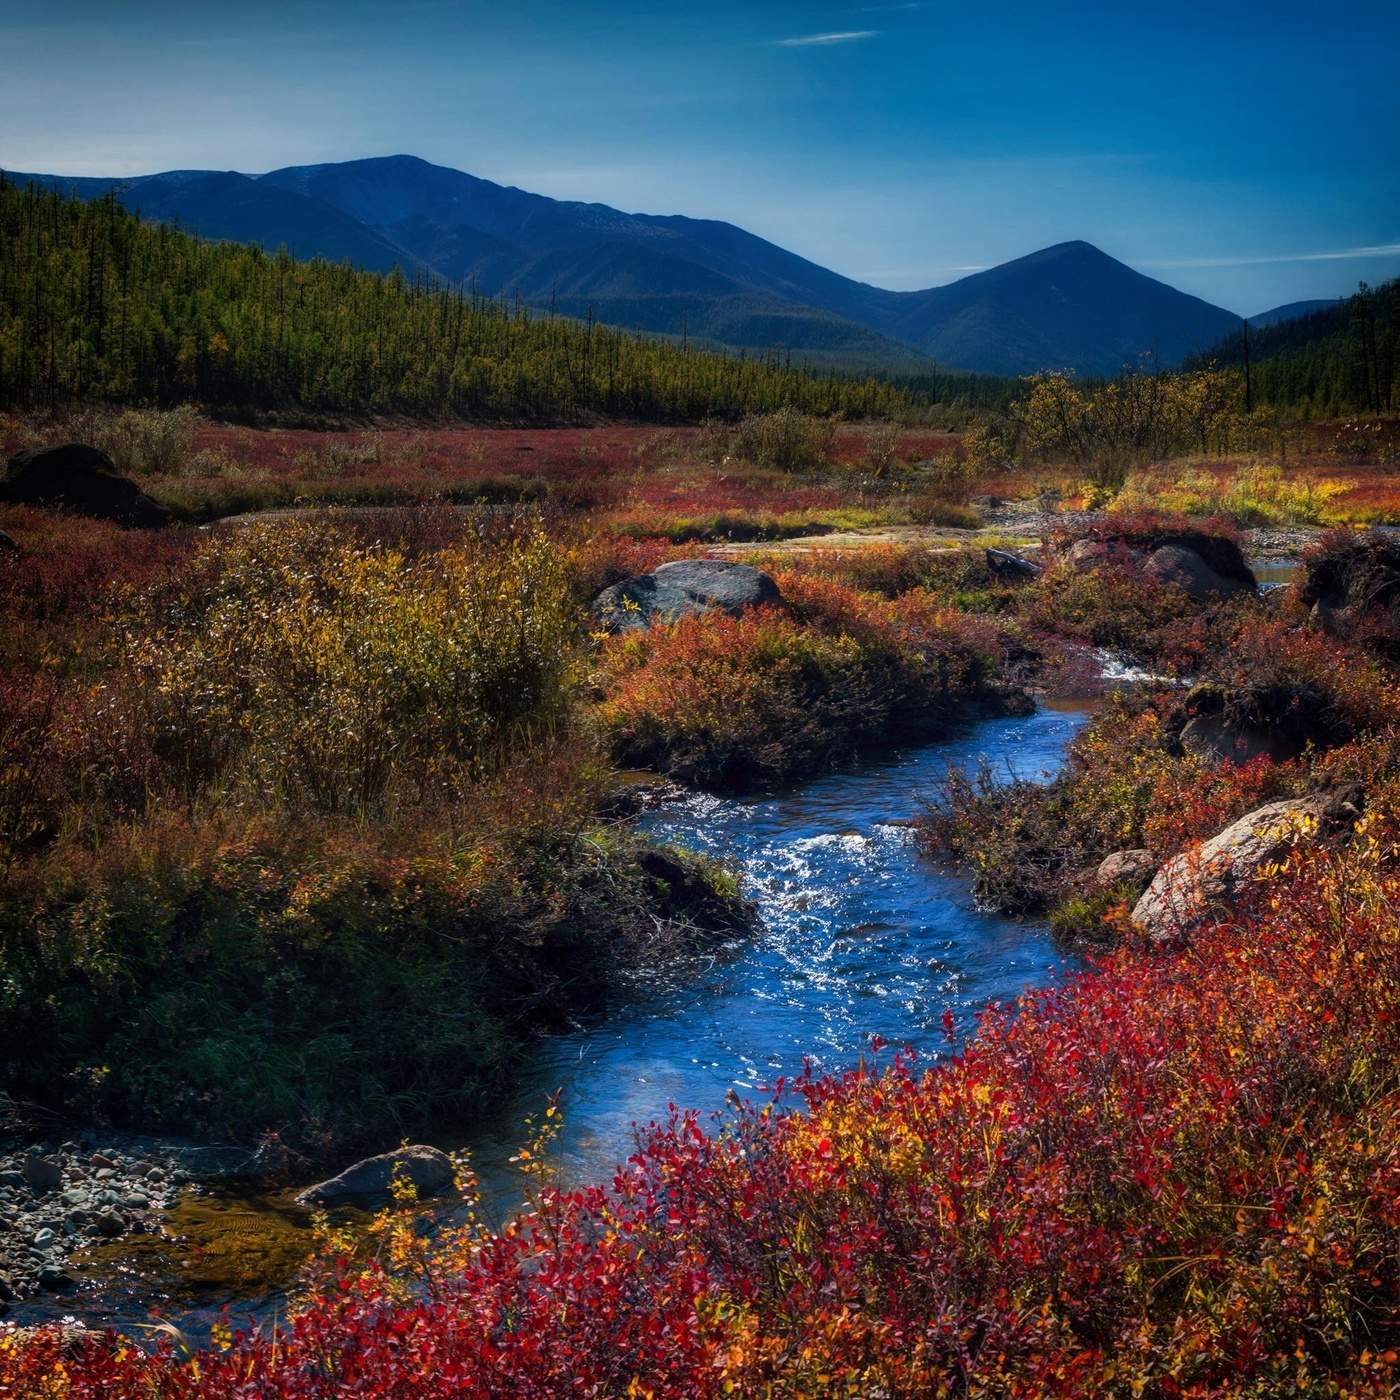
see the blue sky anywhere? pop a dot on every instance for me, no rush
(1249, 153)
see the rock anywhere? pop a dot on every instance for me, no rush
(81, 479)
(1238, 723)
(7, 1290)
(1011, 566)
(10, 1178)
(1212, 739)
(1084, 556)
(1355, 583)
(136, 1201)
(1210, 880)
(42, 1174)
(1176, 566)
(54, 1279)
(1134, 867)
(372, 1180)
(683, 587)
(7, 545)
(101, 1160)
(109, 1224)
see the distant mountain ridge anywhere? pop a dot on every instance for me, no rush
(1065, 307)
(1293, 311)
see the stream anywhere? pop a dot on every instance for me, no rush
(860, 936)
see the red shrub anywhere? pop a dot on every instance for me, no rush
(1174, 1176)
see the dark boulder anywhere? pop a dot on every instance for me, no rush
(7, 545)
(1178, 567)
(1205, 567)
(683, 587)
(1235, 725)
(371, 1181)
(1352, 588)
(81, 479)
(1005, 565)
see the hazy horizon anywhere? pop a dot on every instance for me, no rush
(1248, 161)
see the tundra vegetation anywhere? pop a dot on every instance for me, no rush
(305, 827)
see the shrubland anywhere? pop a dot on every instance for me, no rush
(1175, 1175)
(740, 703)
(299, 831)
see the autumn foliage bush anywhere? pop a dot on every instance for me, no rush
(1176, 1175)
(743, 702)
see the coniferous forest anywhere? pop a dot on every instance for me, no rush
(1344, 359)
(98, 306)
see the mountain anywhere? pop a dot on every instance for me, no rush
(1069, 306)
(243, 209)
(1292, 312)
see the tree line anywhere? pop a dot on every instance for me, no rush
(97, 305)
(1343, 359)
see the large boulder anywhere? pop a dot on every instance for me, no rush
(1177, 566)
(371, 1182)
(1205, 567)
(82, 479)
(1352, 587)
(680, 588)
(1210, 880)
(1235, 725)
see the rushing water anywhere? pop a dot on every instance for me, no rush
(860, 936)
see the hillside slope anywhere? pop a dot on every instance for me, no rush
(1069, 306)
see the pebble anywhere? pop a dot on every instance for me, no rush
(57, 1202)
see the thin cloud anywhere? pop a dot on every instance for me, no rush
(1374, 250)
(808, 41)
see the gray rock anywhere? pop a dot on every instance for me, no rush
(109, 1224)
(1134, 867)
(53, 1278)
(44, 1238)
(136, 1201)
(1012, 566)
(41, 1173)
(8, 1179)
(1177, 566)
(683, 587)
(1210, 880)
(101, 1159)
(372, 1180)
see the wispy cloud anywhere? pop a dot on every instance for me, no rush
(1373, 250)
(843, 36)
